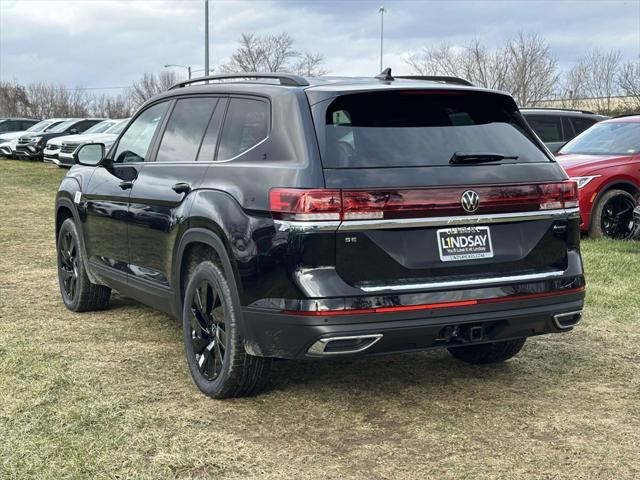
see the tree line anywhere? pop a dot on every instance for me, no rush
(523, 66)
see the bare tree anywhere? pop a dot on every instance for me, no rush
(109, 106)
(532, 69)
(629, 83)
(151, 84)
(310, 65)
(602, 79)
(524, 66)
(272, 53)
(574, 85)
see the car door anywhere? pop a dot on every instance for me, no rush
(106, 197)
(160, 198)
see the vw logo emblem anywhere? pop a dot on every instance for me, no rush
(470, 201)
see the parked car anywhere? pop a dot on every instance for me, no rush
(9, 140)
(555, 127)
(31, 146)
(605, 161)
(285, 217)
(60, 150)
(13, 124)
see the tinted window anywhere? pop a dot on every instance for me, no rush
(610, 138)
(581, 124)
(418, 128)
(4, 126)
(81, 127)
(246, 125)
(547, 127)
(185, 129)
(134, 143)
(208, 147)
(567, 129)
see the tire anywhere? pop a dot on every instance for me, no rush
(488, 352)
(216, 357)
(78, 293)
(624, 230)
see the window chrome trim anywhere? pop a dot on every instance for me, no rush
(351, 225)
(463, 283)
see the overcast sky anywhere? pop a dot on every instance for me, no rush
(86, 43)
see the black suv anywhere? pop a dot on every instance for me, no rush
(31, 145)
(285, 217)
(556, 126)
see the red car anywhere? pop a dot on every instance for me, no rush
(605, 161)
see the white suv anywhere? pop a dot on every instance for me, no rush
(60, 150)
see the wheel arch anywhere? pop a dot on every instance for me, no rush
(65, 209)
(208, 239)
(616, 184)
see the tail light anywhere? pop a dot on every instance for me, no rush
(324, 205)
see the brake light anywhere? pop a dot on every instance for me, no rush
(325, 205)
(305, 205)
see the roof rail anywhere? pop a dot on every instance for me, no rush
(588, 112)
(438, 78)
(287, 79)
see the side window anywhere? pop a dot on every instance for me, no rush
(4, 127)
(186, 127)
(82, 126)
(581, 124)
(547, 127)
(246, 125)
(210, 141)
(134, 143)
(568, 129)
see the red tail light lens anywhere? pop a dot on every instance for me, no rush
(318, 205)
(305, 205)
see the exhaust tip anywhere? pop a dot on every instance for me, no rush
(567, 320)
(343, 345)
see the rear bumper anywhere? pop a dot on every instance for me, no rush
(275, 334)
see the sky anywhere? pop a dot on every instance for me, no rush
(102, 44)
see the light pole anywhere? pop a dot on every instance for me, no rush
(381, 11)
(206, 38)
(188, 67)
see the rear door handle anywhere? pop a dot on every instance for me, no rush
(181, 187)
(126, 184)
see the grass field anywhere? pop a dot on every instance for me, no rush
(108, 395)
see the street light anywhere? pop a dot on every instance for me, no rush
(188, 67)
(381, 11)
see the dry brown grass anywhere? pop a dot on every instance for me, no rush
(108, 395)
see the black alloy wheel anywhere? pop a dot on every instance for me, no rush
(208, 329)
(68, 264)
(617, 217)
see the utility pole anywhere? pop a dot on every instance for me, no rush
(381, 11)
(206, 37)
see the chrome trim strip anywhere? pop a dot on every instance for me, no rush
(304, 227)
(351, 225)
(318, 348)
(463, 283)
(559, 316)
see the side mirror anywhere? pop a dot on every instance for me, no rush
(89, 154)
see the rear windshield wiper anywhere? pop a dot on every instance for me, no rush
(462, 158)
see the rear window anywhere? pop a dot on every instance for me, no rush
(422, 128)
